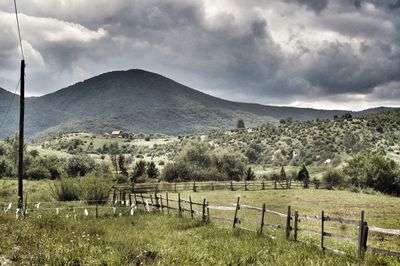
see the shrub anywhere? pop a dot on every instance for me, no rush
(375, 171)
(6, 168)
(304, 176)
(80, 165)
(333, 178)
(177, 171)
(95, 189)
(250, 175)
(37, 173)
(139, 170)
(66, 189)
(152, 171)
(231, 163)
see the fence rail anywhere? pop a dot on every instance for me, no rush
(290, 223)
(207, 186)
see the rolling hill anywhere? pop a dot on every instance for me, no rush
(141, 101)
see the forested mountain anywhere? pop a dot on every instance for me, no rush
(141, 101)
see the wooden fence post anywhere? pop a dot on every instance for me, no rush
(130, 199)
(365, 239)
(322, 230)
(162, 205)
(296, 221)
(204, 211)
(245, 185)
(360, 236)
(275, 183)
(191, 207)
(208, 212)
(25, 209)
(262, 219)
(194, 186)
(175, 187)
(179, 203)
(97, 210)
(212, 185)
(262, 185)
(120, 197)
(157, 188)
(113, 197)
(232, 185)
(157, 201)
(167, 202)
(288, 227)
(151, 200)
(144, 204)
(134, 196)
(235, 219)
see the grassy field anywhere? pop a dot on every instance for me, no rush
(151, 239)
(161, 239)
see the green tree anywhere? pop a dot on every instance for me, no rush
(373, 170)
(333, 178)
(80, 165)
(152, 171)
(303, 175)
(139, 170)
(37, 173)
(231, 163)
(250, 174)
(240, 124)
(6, 169)
(251, 155)
(122, 165)
(282, 175)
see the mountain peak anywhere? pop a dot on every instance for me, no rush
(141, 101)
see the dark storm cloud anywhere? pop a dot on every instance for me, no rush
(316, 5)
(270, 52)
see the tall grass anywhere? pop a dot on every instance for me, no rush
(66, 189)
(95, 189)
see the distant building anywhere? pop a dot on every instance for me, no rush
(116, 133)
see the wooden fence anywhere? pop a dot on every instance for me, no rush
(290, 222)
(118, 191)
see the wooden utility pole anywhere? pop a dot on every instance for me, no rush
(21, 138)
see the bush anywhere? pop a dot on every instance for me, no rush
(152, 171)
(375, 171)
(66, 189)
(231, 163)
(37, 173)
(94, 189)
(304, 176)
(139, 170)
(333, 178)
(80, 165)
(250, 176)
(177, 171)
(6, 168)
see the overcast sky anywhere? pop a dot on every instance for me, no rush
(316, 53)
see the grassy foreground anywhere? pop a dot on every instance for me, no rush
(146, 238)
(162, 239)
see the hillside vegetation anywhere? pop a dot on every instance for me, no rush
(343, 151)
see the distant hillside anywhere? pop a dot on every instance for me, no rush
(141, 101)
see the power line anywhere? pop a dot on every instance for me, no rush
(19, 30)
(9, 107)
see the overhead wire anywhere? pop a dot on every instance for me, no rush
(19, 30)
(5, 119)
